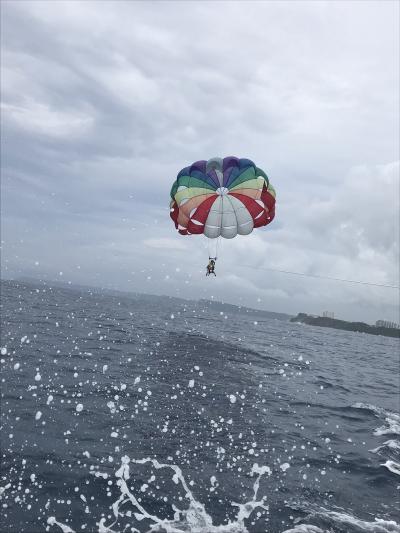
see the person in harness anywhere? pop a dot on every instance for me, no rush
(211, 266)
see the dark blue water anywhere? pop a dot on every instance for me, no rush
(133, 414)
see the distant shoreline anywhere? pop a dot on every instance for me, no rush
(360, 327)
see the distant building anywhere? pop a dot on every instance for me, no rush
(328, 314)
(386, 324)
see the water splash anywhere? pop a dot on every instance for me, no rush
(193, 519)
(64, 528)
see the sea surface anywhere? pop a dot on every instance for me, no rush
(130, 413)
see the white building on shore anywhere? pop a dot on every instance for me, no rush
(386, 324)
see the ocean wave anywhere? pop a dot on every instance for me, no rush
(388, 445)
(341, 522)
(393, 467)
(305, 528)
(213, 398)
(392, 419)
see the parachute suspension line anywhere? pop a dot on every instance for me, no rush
(209, 247)
(217, 247)
(212, 247)
(389, 286)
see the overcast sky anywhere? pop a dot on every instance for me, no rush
(104, 102)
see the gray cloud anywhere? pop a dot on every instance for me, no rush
(103, 103)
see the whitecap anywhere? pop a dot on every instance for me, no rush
(391, 444)
(392, 419)
(335, 521)
(393, 467)
(305, 528)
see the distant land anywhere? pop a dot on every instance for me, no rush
(225, 307)
(211, 306)
(342, 324)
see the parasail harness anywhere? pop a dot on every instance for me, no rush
(211, 266)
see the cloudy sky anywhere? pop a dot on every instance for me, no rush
(104, 102)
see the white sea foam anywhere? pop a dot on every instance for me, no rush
(65, 529)
(392, 427)
(305, 528)
(193, 519)
(3, 489)
(391, 444)
(393, 467)
(392, 419)
(378, 526)
(340, 521)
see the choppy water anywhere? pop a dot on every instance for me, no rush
(136, 414)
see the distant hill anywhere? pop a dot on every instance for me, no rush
(69, 286)
(361, 327)
(225, 307)
(215, 306)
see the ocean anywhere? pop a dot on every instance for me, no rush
(135, 413)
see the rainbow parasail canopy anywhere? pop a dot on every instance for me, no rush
(221, 198)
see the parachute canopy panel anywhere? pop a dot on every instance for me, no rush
(221, 198)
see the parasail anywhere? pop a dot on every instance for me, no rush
(221, 198)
